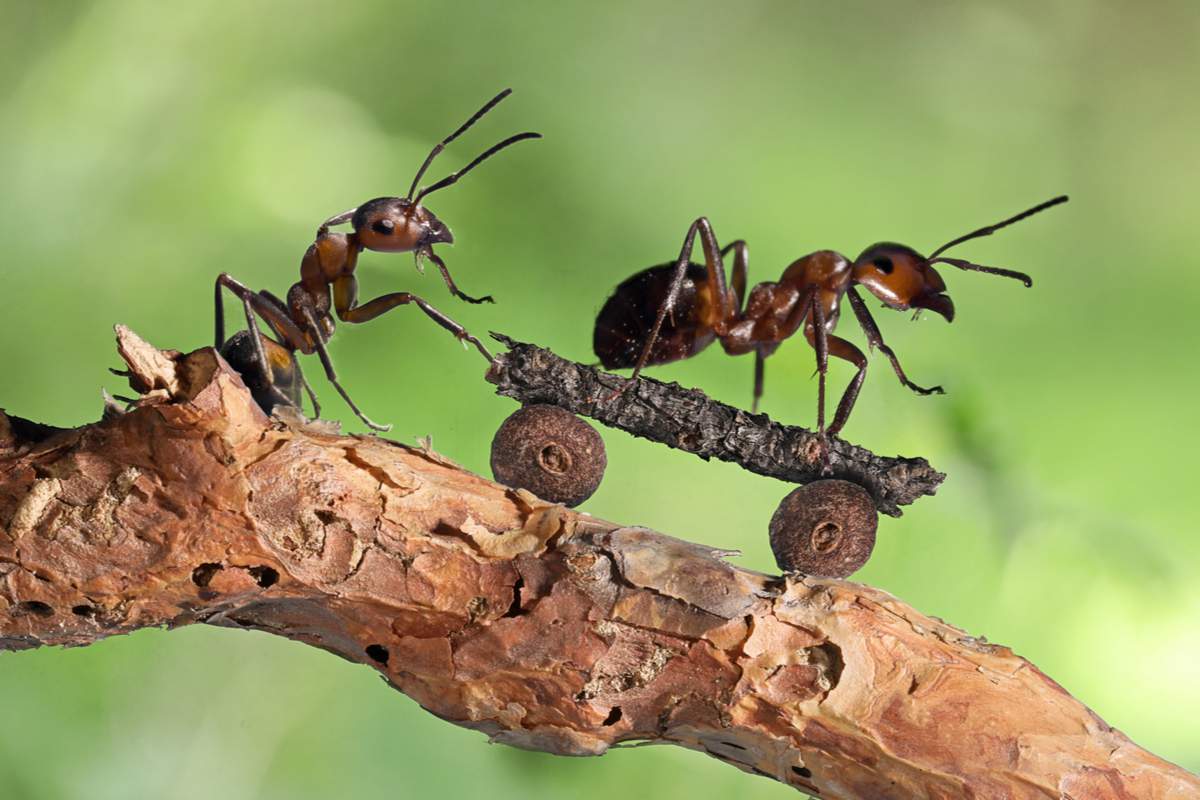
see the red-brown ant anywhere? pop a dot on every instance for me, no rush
(304, 323)
(673, 311)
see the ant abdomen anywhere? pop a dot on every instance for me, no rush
(625, 321)
(239, 352)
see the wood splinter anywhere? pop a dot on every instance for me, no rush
(543, 628)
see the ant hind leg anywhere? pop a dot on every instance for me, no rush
(257, 305)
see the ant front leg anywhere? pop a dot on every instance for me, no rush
(875, 339)
(345, 300)
(454, 290)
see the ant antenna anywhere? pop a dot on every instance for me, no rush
(484, 156)
(971, 266)
(488, 106)
(990, 229)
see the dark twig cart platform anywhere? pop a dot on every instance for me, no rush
(689, 420)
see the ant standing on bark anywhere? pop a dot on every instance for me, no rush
(327, 283)
(673, 311)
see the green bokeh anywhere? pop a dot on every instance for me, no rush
(146, 146)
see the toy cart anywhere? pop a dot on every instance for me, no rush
(825, 527)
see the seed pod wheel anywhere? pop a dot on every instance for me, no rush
(550, 452)
(826, 528)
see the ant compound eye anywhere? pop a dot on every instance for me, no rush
(883, 264)
(383, 226)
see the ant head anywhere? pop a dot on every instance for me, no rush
(402, 224)
(398, 225)
(902, 278)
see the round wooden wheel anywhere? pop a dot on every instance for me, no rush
(551, 452)
(825, 528)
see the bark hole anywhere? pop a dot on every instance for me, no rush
(266, 577)
(36, 607)
(514, 610)
(203, 574)
(378, 653)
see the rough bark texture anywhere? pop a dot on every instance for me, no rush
(542, 627)
(689, 420)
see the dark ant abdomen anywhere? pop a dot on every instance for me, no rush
(238, 351)
(625, 321)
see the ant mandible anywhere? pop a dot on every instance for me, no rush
(304, 323)
(673, 311)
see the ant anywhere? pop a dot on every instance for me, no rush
(673, 311)
(327, 282)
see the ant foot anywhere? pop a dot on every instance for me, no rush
(487, 298)
(817, 452)
(465, 337)
(826, 466)
(375, 426)
(620, 390)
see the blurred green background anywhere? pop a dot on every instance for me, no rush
(144, 147)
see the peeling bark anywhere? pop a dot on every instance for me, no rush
(544, 628)
(689, 420)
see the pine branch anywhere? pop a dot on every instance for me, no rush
(543, 628)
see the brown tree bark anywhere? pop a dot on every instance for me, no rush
(542, 627)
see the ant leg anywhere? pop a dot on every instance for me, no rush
(331, 374)
(282, 336)
(875, 339)
(758, 380)
(260, 355)
(312, 396)
(219, 313)
(820, 341)
(716, 275)
(741, 263)
(838, 348)
(269, 307)
(345, 293)
(454, 290)
(256, 305)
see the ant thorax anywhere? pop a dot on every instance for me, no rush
(825, 270)
(781, 306)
